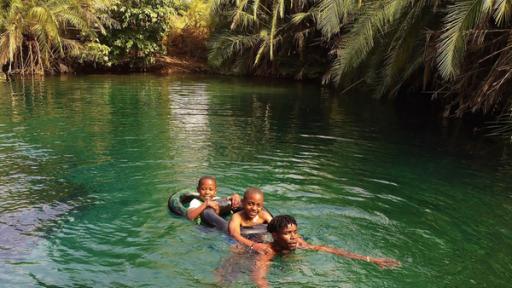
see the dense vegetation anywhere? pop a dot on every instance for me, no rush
(137, 39)
(37, 35)
(41, 36)
(457, 52)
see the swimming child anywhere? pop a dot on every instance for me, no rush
(252, 214)
(207, 206)
(286, 239)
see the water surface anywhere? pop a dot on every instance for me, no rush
(87, 164)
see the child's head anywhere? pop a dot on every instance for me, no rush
(280, 222)
(252, 203)
(284, 231)
(207, 187)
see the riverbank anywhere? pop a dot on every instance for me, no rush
(179, 64)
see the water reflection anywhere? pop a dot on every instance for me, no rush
(189, 126)
(88, 162)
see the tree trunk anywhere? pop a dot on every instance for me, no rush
(21, 60)
(31, 57)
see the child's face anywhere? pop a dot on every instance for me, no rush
(252, 204)
(287, 238)
(207, 189)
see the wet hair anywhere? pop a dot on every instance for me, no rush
(280, 222)
(206, 178)
(252, 190)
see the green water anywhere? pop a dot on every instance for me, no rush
(87, 164)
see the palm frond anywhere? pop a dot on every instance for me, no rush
(273, 26)
(261, 52)
(241, 5)
(333, 14)
(503, 12)
(403, 47)
(255, 9)
(462, 17)
(377, 18)
(225, 46)
(72, 47)
(243, 20)
(301, 17)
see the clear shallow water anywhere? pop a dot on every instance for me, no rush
(87, 164)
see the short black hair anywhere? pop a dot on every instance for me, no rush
(206, 178)
(252, 190)
(280, 222)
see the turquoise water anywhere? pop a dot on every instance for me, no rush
(87, 164)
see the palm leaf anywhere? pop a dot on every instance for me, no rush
(402, 48)
(377, 18)
(333, 14)
(502, 12)
(273, 27)
(226, 46)
(462, 17)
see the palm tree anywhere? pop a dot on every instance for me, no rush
(35, 32)
(263, 38)
(459, 51)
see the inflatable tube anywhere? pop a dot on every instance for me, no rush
(256, 229)
(179, 201)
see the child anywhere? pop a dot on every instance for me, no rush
(207, 206)
(252, 214)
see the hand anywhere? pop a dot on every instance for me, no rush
(385, 262)
(235, 201)
(213, 204)
(261, 248)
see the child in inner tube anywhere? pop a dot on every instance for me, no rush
(207, 206)
(252, 214)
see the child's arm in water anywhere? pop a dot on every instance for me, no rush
(234, 231)
(193, 213)
(381, 262)
(259, 273)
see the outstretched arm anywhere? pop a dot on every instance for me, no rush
(381, 262)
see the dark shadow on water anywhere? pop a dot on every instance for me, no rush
(23, 228)
(237, 267)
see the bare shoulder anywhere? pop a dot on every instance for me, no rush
(237, 217)
(266, 216)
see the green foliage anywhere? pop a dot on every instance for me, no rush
(461, 17)
(195, 15)
(36, 34)
(460, 50)
(189, 30)
(94, 54)
(263, 38)
(137, 40)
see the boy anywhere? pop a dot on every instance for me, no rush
(286, 239)
(207, 207)
(252, 214)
